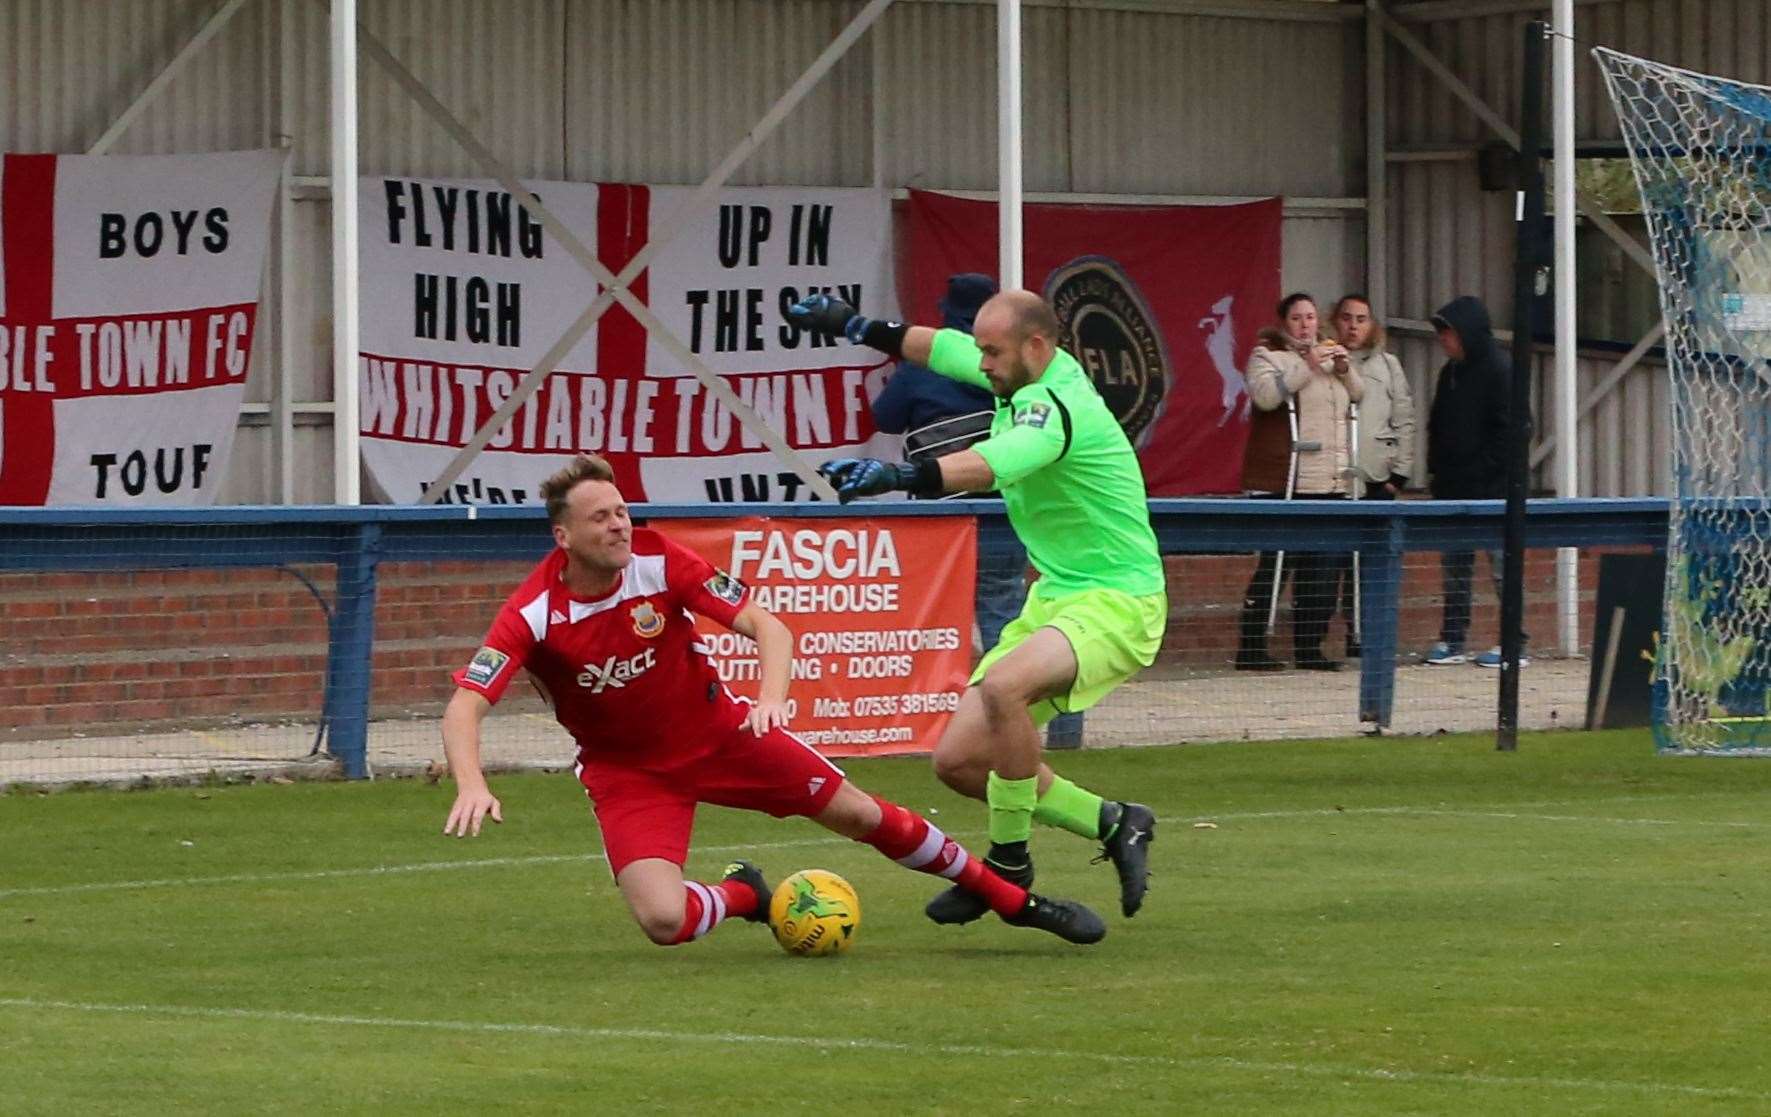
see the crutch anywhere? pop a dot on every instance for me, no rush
(1291, 484)
(1356, 486)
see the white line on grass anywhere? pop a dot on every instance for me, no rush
(1479, 812)
(562, 1031)
(375, 870)
(554, 859)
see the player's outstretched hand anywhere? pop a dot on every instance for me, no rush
(826, 315)
(853, 477)
(764, 716)
(470, 810)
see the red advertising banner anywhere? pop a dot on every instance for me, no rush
(1161, 305)
(881, 613)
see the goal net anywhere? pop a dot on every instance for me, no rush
(1701, 150)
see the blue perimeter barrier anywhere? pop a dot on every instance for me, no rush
(357, 539)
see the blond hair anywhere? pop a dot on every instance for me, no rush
(584, 467)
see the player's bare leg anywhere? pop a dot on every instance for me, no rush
(991, 751)
(915, 843)
(671, 910)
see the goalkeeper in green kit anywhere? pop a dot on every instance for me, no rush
(1076, 498)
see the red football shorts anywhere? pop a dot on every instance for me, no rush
(650, 812)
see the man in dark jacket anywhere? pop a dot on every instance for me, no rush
(938, 415)
(1467, 436)
(915, 398)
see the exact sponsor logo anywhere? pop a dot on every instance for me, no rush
(484, 666)
(1109, 328)
(647, 621)
(615, 671)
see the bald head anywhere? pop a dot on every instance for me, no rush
(1017, 334)
(1022, 313)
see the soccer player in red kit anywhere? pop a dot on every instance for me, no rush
(602, 626)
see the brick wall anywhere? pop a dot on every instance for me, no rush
(112, 653)
(1205, 600)
(108, 653)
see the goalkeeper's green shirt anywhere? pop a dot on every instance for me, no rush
(1068, 475)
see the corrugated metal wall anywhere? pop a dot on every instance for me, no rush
(1130, 100)
(1447, 237)
(658, 90)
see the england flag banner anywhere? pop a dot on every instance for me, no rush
(464, 291)
(128, 294)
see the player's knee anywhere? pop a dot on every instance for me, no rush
(961, 771)
(660, 924)
(1002, 693)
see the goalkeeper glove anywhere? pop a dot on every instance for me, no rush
(853, 477)
(828, 316)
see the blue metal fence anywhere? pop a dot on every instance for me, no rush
(357, 540)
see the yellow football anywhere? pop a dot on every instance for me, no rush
(814, 912)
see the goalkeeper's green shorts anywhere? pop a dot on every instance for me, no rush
(1114, 635)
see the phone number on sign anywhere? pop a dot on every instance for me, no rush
(882, 705)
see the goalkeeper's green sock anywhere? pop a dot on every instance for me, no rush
(1012, 804)
(1069, 807)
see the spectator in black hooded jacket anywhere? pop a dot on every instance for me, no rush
(1466, 453)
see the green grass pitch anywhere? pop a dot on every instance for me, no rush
(1364, 927)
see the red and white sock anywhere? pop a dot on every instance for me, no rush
(916, 843)
(706, 906)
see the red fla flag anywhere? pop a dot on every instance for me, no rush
(1160, 304)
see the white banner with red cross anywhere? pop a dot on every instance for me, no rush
(464, 292)
(128, 294)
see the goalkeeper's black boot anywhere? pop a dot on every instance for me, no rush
(1130, 828)
(956, 905)
(1066, 919)
(753, 876)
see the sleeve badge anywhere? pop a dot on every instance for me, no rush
(485, 665)
(725, 587)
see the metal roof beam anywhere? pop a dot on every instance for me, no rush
(1486, 114)
(216, 21)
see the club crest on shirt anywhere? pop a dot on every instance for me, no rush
(725, 587)
(485, 665)
(1111, 331)
(647, 621)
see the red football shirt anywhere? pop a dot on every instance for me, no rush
(625, 672)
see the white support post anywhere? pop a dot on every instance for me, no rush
(283, 397)
(346, 463)
(1008, 133)
(283, 390)
(1567, 431)
(1377, 198)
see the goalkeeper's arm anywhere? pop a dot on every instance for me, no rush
(833, 318)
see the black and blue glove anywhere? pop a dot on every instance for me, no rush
(828, 316)
(853, 477)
